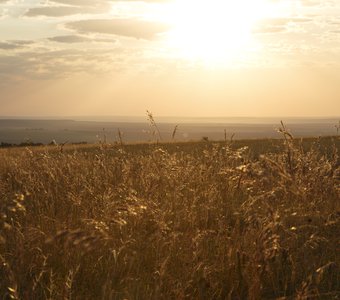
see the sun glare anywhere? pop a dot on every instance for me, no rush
(214, 31)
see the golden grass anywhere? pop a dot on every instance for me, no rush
(170, 221)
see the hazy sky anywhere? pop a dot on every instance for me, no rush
(175, 58)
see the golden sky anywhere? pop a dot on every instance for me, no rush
(173, 57)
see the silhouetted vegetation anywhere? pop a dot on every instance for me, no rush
(23, 144)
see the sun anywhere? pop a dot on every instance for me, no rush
(213, 31)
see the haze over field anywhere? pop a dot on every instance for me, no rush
(178, 57)
(135, 129)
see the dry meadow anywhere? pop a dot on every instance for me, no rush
(205, 220)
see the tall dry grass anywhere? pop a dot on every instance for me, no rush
(154, 222)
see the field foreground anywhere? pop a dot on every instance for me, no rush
(173, 221)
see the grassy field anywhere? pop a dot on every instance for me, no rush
(257, 219)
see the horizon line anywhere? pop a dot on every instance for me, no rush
(68, 117)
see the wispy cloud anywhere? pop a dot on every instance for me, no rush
(276, 25)
(115, 40)
(83, 2)
(60, 11)
(14, 44)
(69, 39)
(135, 28)
(8, 46)
(59, 8)
(51, 64)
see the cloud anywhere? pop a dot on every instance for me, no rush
(13, 44)
(310, 2)
(275, 25)
(56, 52)
(69, 39)
(50, 64)
(60, 8)
(39, 60)
(74, 7)
(61, 11)
(124, 27)
(8, 46)
(83, 2)
(22, 42)
(72, 39)
(284, 21)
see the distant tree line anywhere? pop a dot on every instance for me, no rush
(30, 143)
(23, 144)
